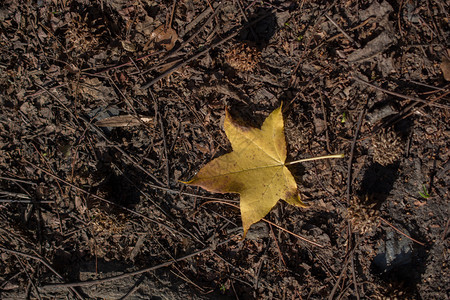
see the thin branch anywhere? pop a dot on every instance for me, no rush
(104, 200)
(344, 268)
(187, 61)
(327, 135)
(294, 234)
(123, 152)
(18, 180)
(352, 152)
(399, 231)
(355, 282)
(38, 295)
(44, 262)
(342, 31)
(26, 201)
(201, 53)
(444, 233)
(130, 274)
(134, 288)
(430, 103)
(278, 246)
(174, 52)
(349, 179)
(271, 223)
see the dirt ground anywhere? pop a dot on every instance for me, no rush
(107, 105)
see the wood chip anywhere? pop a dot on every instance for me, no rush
(445, 67)
(123, 121)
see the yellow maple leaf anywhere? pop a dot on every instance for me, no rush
(255, 169)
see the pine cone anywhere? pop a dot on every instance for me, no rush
(391, 292)
(363, 215)
(243, 57)
(107, 222)
(83, 34)
(387, 147)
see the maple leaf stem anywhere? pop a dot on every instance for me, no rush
(315, 158)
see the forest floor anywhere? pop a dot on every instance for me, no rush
(106, 106)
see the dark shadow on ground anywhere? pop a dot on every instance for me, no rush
(116, 187)
(262, 31)
(399, 262)
(379, 180)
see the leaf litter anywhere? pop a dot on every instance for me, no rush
(128, 166)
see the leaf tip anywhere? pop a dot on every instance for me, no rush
(303, 204)
(227, 112)
(244, 235)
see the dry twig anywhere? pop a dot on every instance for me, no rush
(146, 270)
